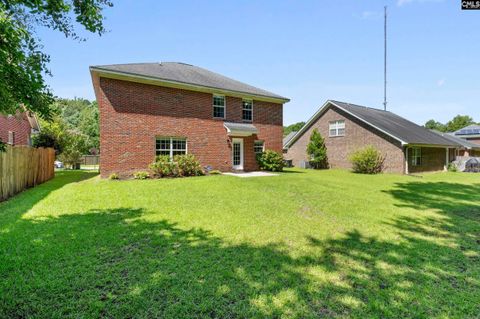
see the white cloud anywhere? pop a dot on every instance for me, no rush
(441, 82)
(404, 2)
(370, 15)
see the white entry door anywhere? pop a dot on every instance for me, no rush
(237, 153)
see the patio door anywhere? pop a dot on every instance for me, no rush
(237, 153)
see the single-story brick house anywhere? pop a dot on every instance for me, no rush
(465, 147)
(18, 128)
(169, 108)
(408, 147)
(470, 133)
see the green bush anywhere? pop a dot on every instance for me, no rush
(182, 165)
(141, 175)
(270, 161)
(215, 172)
(114, 176)
(452, 167)
(188, 165)
(367, 160)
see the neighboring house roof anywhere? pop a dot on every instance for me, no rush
(400, 129)
(468, 131)
(184, 75)
(463, 142)
(289, 136)
(240, 129)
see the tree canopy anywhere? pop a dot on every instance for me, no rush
(23, 65)
(458, 122)
(292, 128)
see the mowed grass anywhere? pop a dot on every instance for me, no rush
(305, 244)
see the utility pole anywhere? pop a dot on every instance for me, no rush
(385, 63)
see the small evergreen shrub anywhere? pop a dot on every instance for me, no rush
(270, 161)
(367, 160)
(141, 175)
(181, 165)
(113, 176)
(214, 172)
(317, 151)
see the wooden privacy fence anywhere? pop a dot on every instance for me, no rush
(22, 167)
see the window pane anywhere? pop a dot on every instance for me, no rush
(218, 100)
(247, 115)
(341, 131)
(340, 124)
(247, 105)
(333, 132)
(258, 147)
(163, 152)
(218, 112)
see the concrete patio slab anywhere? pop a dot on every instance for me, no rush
(250, 174)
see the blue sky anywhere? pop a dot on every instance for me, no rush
(309, 51)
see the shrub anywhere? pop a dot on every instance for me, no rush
(188, 165)
(270, 161)
(452, 167)
(141, 175)
(215, 172)
(317, 151)
(367, 160)
(182, 165)
(114, 176)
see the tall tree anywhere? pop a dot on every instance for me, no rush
(23, 65)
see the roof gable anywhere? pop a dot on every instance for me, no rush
(185, 74)
(399, 128)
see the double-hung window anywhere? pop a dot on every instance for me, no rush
(171, 146)
(416, 158)
(247, 110)
(258, 147)
(219, 106)
(336, 128)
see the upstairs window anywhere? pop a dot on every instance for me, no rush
(336, 128)
(258, 147)
(171, 146)
(219, 106)
(11, 137)
(247, 110)
(416, 156)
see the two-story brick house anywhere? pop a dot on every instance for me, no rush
(168, 108)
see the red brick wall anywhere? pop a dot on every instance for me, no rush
(17, 123)
(357, 135)
(475, 140)
(433, 159)
(133, 114)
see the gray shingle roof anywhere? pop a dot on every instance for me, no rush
(387, 122)
(460, 141)
(242, 128)
(289, 136)
(186, 74)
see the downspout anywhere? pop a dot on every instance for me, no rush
(445, 168)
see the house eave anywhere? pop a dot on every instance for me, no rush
(131, 77)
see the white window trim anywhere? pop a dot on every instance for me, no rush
(11, 138)
(336, 125)
(224, 106)
(263, 146)
(251, 102)
(171, 138)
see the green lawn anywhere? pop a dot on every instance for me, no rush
(305, 244)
